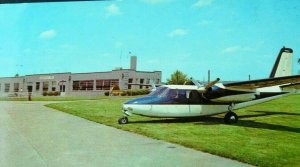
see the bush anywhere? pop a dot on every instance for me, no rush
(106, 93)
(124, 93)
(56, 93)
(137, 92)
(52, 93)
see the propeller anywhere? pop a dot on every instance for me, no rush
(211, 84)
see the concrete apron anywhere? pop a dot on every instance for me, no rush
(34, 135)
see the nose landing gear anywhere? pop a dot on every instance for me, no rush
(230, 117)
(123, 120)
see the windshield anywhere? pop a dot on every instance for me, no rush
(160, 91)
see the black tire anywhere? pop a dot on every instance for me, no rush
(230, 118)
(123, 120)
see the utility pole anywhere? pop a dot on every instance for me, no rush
(208, 79)
(299, 64)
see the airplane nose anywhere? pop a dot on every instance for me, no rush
(136, 109)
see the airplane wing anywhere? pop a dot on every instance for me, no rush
(253, 84)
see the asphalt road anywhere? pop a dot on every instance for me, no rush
(33, 135)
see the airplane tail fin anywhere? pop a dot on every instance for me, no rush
(283, 64)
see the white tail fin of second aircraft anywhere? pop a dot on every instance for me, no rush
(283, 64)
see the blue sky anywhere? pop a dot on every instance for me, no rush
(231, 38)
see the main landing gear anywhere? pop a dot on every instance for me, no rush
(123, 120)
(230, 117)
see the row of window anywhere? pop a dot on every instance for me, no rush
(101, 84)
(105, 84)
(141, 81)
(17, 88)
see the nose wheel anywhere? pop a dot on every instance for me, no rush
(230, 118)
(123, 120)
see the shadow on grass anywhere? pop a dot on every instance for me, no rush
(213, 120)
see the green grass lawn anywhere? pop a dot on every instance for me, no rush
(267, 134)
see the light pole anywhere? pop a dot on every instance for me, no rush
(299, 64)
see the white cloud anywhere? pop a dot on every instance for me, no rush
(177, 32)
(231, 49)
(48, 34)
(156, 1)
(202, 3)
(236, 48)
(119, 44)
(113, 9)
(204, 22)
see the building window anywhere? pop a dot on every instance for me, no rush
(75, 85)
(129, 81)
(53, 85)
(141, 82)
(83, 85)
(16, 87)
(6, 87)
(106, 84)
(45, 86)
(37, 86)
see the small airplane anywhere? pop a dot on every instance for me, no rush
(176, 101)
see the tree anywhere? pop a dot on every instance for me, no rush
(177, 78)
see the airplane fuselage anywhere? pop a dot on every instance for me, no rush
(189, 101)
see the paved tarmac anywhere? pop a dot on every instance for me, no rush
(35, 136)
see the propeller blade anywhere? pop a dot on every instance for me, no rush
(209, 85)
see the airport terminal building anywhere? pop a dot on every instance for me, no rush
(78, 84)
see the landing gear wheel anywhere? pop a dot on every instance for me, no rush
(123, 120)
(230, 118)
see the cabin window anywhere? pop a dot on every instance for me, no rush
(195, 97)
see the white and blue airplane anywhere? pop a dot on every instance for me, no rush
(176, 101)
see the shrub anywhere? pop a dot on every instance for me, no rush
(124, 93)
(137, 92)
(50, 93)
(45, 93)
(56, 93)
(106, 93)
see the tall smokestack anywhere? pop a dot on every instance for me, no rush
(133, 63)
